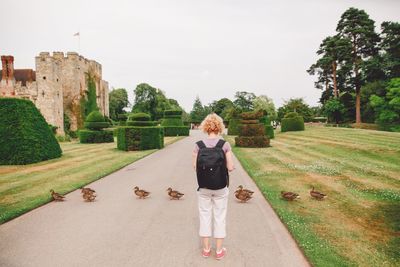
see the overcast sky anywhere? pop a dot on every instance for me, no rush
(210, 48)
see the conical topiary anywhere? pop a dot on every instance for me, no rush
(93, 133)
(25, 136)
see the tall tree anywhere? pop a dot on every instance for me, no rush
(296, 105)
(265, 103)
(118, 100)
(391, 45)
(198, 112)
(221, 106)
(244, 100)
(356, 25)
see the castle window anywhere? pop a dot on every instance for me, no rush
(44, 77)
(43, 93)
(58, 93)
(57, 79)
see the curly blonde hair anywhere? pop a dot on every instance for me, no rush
(213, 124)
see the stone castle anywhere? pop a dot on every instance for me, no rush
(56, 87)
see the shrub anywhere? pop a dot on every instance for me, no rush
(252, 141)
(252, 129)
(63, 138)
(25, 136)
(173, 124)
(251, 115)
(140, 138)
(269, 130)
(90, 136)
(95, 116)
(142, 123)
(139, 117)
(53, 128)
(170, 112)
(292, 124)
(73, 134)
(176, 131)
(96, 121)
(122, 117)
(233, 128)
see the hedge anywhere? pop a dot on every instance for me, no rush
(25, 136)
(233, 128)
(292, 124)
(139, 117)
(170, 112)
(95, 116)
(252, 129)
(140, 138)
(142, 123)
(166, 122)
(96, 125)
(122, 117)
(90, 136)
(269, 130)
(252, 141)
(176, 131)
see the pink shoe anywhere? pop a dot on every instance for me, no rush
(205, 253)
(221, 255)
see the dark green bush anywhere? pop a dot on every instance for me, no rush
(95, 116)
(252, 141)
(122, 117)
(252, 115)
(89, 136)
(73, 134)
(166, 122)
(53, 128)
(291, 115)
(96, 125)
(140, 138)
(142, 123)
(122, 123)
(139, 117)
(170, 112)
(292, 124)
(269, 131)
(252, 129)
(25, 136)
(233, 128)
(176, 131)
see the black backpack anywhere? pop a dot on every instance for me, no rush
(211, 169)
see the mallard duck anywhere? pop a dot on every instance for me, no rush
(141, 193)
(240, 187)
(56, 196)
(86, 190)
(174, 194)
(317, 195)
(89, 196)
(242, 195)
(289, 195)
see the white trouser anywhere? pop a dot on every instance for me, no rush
(213, 202)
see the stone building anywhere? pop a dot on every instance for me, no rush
(56, 87)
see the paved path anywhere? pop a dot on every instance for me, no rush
(120, 230)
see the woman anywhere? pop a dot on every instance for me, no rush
(213, 199)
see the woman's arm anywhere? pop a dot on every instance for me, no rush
(229, 161)
(194, 160)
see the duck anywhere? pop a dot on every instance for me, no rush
(89, 196)
(317, 195)
(242, 195)
(174, 194)
(56, 196)
(289, 195)
(240, 187)
(142, 194)
(85, 190)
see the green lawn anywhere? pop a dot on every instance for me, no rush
(359, 223)
(23, 188)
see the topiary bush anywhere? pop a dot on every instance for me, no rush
(93, 133)
(25, 136)
(140, 138)
(233, 127)
(292, 122)
(90, 136)
(269, 130)
(251, 131)
(173, 124)
(139, 117)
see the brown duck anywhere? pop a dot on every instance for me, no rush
(240, 187)
(56, 196)
(142, 194)
(85, 190)
(289, 195)
(317, 195)
(89, 196)
(174, 194)
(242, 195)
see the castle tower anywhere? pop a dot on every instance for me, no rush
(7, 76)
(50, 94)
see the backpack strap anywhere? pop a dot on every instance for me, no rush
(220, 143)
(201, 144)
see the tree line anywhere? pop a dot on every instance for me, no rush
(358, 71)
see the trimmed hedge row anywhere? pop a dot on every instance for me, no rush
(96, 125)
(170, 112)
(142, 123)
(90, 136)
(252, 141)
(25, 136)
(292, 122)
(176, 131)
(140, 138)
(139, 117)
(233, 128)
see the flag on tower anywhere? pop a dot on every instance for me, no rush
(77, 34)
